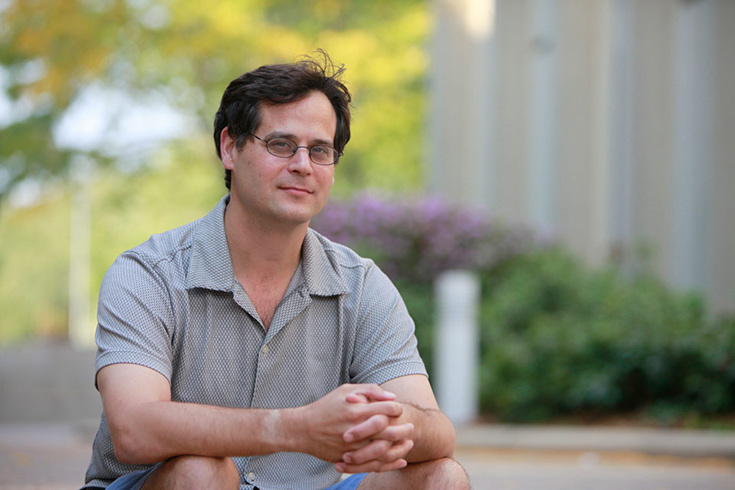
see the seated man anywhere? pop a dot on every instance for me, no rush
(244, 350)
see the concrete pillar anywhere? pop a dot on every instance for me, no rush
(620, 143)
(721, 248)
(461, 135)
(693, 89)
(543, 118)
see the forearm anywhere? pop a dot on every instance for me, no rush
(157, 431)
(434, 435)
(154, 431)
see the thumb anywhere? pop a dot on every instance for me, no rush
(369, 393)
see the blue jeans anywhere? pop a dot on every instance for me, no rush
(136, 479)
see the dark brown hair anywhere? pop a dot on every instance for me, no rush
(239, 110)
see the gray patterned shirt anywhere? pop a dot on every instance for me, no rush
(173, 304)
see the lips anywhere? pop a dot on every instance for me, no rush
(295, 189)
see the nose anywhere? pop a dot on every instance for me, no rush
(300, 162)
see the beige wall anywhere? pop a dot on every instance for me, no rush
(608, 122)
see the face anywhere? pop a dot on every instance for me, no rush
(273, 190)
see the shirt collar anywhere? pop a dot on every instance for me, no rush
(322, 276)
(210, 266)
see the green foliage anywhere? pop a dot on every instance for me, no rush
(182, 52)
(419, 299)
(557, 337)
(126, 209)
(33, 282)
(185, 52)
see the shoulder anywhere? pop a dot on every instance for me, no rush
(356, 271)
(362, 278)
(340, 255)
(165, 246)
(158, 259)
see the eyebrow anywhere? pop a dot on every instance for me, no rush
(293, 137)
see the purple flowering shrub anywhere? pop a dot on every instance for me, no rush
(415, 240)
(556, 336)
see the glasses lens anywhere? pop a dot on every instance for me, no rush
(285, 148)
(323, 155)
(281, 147)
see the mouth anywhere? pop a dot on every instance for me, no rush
(296, 190)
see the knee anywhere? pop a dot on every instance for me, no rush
(199, 472)
(445, 473)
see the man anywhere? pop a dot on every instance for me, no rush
(245, 350)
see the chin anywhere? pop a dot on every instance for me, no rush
(295, 218)
(299, 216)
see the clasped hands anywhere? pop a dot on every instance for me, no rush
(360, 428)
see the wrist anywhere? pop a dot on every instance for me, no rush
(286, 426)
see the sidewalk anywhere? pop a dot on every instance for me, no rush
(44, 456)
(49, 412)
(54, 456)
(661, 442)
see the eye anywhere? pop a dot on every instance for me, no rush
(321, 150)
(281, 144)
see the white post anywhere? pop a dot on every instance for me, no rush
(457, 344)
(81, 329)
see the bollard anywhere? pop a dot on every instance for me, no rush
(457, 294)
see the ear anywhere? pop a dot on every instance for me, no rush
(227, 149)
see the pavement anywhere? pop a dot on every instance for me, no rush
(48, 420)
(503, 457)
(55, 455)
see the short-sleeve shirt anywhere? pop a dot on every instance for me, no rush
(173, 304)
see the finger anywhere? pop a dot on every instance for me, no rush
(357, 398)
(378, 427)
(372, 392)
(372, 451)
(364, 430)
(370, 419)
(382, 451)
(370, 467)
(387, 408)
(395, 432)
(396, 465)
(397, 451)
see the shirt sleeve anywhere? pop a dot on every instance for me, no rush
(385, 343)
(135, 318)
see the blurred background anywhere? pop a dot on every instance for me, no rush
(576, 154)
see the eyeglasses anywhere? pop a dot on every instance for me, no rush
(285, 148)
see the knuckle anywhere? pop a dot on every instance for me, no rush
(354, 414)
(354, 446)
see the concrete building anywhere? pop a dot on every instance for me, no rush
(609, 123)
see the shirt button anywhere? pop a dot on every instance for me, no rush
(251, 476)
(264, 350)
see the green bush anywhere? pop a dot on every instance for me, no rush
(557, 337)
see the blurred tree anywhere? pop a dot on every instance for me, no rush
(79, 60)
(184, 52)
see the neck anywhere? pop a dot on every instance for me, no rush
(260, 250)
